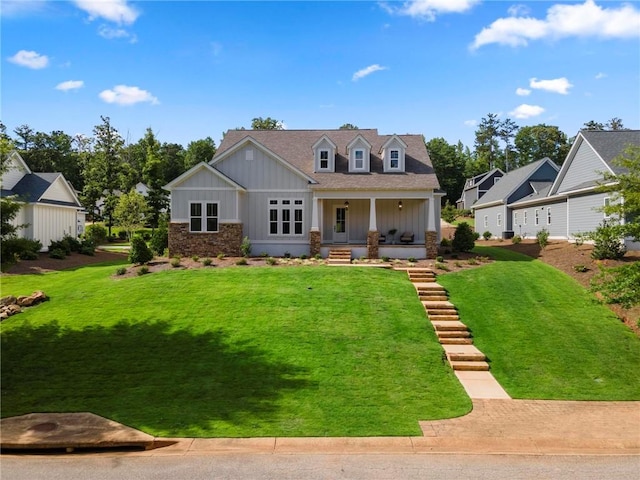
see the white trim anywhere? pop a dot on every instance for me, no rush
(536, 217)
(499, 219)
(280, 207)
(549, 218)
(195, 169)
(204, 217)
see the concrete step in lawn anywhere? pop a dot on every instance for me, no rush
(453, 334)
(433, 297)
(438, 305)
(448, 326)
(443, 318)
(470, 366)
(455, 340)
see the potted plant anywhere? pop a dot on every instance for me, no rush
(392, 233)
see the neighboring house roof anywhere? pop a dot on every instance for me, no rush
(473, 182)
(510, 182)
(607, 145)
(295, 147)
(540, 194)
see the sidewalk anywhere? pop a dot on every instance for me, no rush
(495, 426)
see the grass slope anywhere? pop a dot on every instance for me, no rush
(230, 352)
(545, 335)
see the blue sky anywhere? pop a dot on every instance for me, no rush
(190, 70)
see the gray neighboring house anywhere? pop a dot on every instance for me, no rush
(306, 192)
(50, 208)
(493, 212)
(571, 203)
(476, 187)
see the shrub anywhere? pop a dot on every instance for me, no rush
(57, 253)
(61, 245)
(221, 256)
(606, 243)
(87, 248)
(122, 235)
(96, 233)
(175, 262)
(516, 239)
(270, 261)
(303, 257)
(317, 256)
(264, 254)
(21, 248)
(486, 235)
(449, 213)
(542, 237)
(412, 259)
(241, 261)
(143, 270)
(458, 263)
(580, 268)
(385, 258)
(440, 258)
(619, 284)
(463, 239)
(140, 252)
(245, 247)
(159, 241)
(206, 262)
(473, 261)
(441, 266)
(195, 258)
(121, 270)
(445, 242)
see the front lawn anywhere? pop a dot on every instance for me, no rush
(545, 335)
(234, 352)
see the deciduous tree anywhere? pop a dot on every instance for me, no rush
(539, 141)
(268, 123)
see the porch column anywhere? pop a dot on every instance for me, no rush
(315, 240)
(431, 235)
(372, 215)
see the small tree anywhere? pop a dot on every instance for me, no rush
(160, 240)
(463, 238)
(130, 212)
(606, 242)
(139, 252)
(449, 213)
(542, 237)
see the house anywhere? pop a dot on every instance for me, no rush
(51, 207)
(306, 192)
(494, 211)
(565, 204)
(476, 187)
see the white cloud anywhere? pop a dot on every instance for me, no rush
(117, 11)
(571, 20)
(70, 85)
(523, 92)
(126, 95)
(557, 85)
(110, 33)
(526, 111)
(601, 75)
(471, 123)
(429, 9)
(30, 59)
(20, 8)
(519, 10)
(367, 71)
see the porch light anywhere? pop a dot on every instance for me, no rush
(346, 204)
(400, 205)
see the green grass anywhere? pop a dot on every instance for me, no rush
(237, 352)
(468, 220)
(545, 335)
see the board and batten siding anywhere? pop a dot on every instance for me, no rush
(583, 212)
(203, 187)
(586, 166)
(255, 216)
(52, 223)
(255, 170)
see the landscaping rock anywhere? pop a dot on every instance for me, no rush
(11, 305)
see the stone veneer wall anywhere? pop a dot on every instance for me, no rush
(315, 242)
(373, 241)
(185, 244)
(431, 243)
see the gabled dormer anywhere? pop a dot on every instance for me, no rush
(393, 152)
(359, 153)
(324, 154)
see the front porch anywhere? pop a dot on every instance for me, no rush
(380, 224)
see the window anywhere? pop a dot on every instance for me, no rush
(515, 218)
(499, 219)
(359, 158)
(548, 216)
(486, 221)
(524, 217)
(203, 217)
(536, 215)
(324, 159)
(394, 159)
(248, 154)
(285, 217)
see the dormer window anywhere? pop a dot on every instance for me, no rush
(324, 159)
(359, 158)
(394, 163)
(324, 153)
(359, 151)
(393, 153)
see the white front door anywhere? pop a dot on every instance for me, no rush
(340, 225)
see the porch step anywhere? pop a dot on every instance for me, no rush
(470, 366)
(339, 256)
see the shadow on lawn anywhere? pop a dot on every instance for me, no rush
(144, 375)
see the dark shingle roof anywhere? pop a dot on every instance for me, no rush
(611, 143)
(295, 146)
(33, 185)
